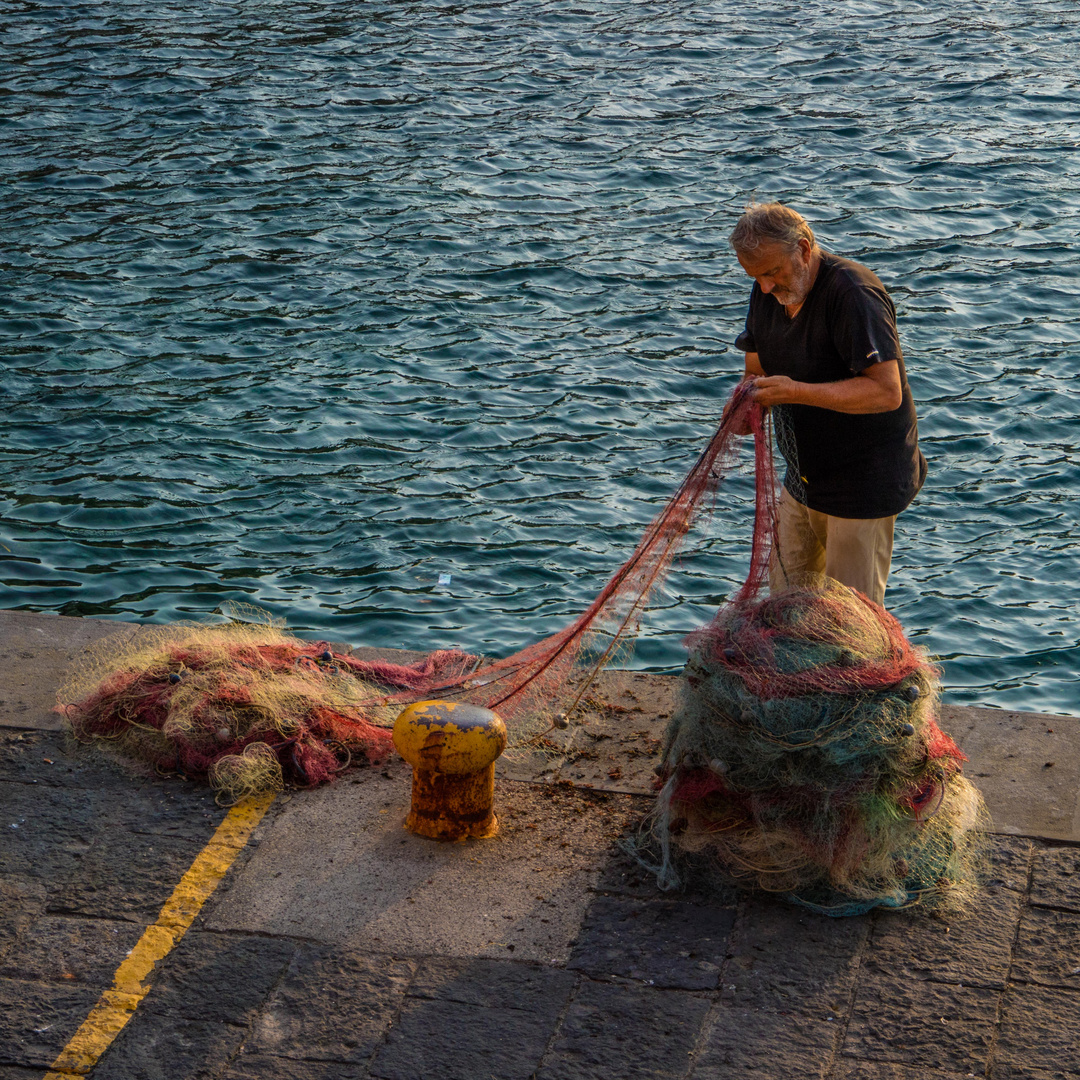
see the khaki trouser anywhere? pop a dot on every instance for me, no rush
(854, 551)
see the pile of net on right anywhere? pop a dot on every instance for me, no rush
(805, 759)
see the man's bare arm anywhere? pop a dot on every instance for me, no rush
(753, 365)
(874, 390)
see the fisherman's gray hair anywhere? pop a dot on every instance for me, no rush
(770, 223)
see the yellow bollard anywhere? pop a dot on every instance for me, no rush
(452, 748)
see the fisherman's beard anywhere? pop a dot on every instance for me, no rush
(799, 288)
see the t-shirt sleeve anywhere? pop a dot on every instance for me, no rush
(745, 341)
(865, 332)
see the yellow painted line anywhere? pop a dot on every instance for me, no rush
(131, 984)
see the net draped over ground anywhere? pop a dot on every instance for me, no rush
(805, 757)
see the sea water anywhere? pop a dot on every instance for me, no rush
(401, 320)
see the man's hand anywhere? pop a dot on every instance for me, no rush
(772, 390)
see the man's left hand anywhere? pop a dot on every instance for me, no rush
(772, 390)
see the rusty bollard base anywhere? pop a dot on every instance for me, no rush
(452, 749)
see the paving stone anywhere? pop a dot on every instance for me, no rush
(920, 1023)
(1055, 879)
(332, 1005)
(704, 882)
(221, 977)
(39, 1019)
(21, 902)
(630, 1032)
(35, 649)
(784, 959)
(356, 877)
(53, 759)
(1023, 1072)
(975, 950)
(622, 875)
(153, 1047)
(492, 983)
(765, 1045)
(883, 1070)
(16, 1072)
(44, 833)
(1048, 949)
(125, 876)
(1040, 1029)
(265, 1067)
(453, 1041)
(663, 942)
(172, 808)
(1010, 861)
(69, 782)
(78, 844)
(66, 947)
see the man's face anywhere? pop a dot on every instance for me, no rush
(786, 275)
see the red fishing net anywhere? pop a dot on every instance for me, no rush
(189, 698)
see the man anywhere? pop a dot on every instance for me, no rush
(820, 340)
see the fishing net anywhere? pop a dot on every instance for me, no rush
(243, 704)
(805, 758)
(538, 688)
(197, 699)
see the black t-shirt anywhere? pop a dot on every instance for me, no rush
(848, 465)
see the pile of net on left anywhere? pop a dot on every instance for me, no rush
(242, 704)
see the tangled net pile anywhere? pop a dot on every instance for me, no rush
(244, 705)
(805, 758)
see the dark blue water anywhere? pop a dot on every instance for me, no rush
(314, 305)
